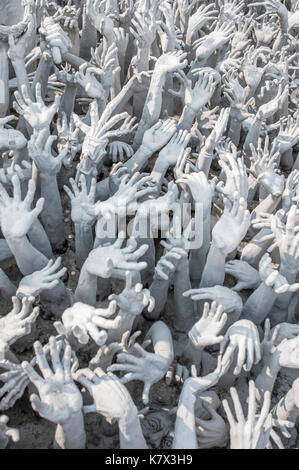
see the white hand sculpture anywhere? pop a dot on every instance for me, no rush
(224, 296)
(205, 331)
(171, 62)
(253, 432)
(110, 396)
(19, 321)
(211, 432)
(272, 278)
(133, 299)
(57, 40)
(46, 278)
(80, 199)
(10, 138)
(149, 368)
(247, 276)
(86, 78)
(232, 226)
(39, 149)
(169, 154)
(85, 322)
(117, 259)
(125, 200)
(236, 176)
(120, 151)
(100, 130)
(241, 336)
(195, 97)
(7, 433)
(59, 398)
(38, 115)
(16, 215)
(157, 136)
(68, 137)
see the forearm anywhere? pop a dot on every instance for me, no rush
(143, 57)
(266, 379)
(68, 100)
(159, 291)
(259, 304)
(152, 107)
(204, 161)
(197, 259)
(130, 432)
(161, 339)
(28, 258)
(185, 429)
(52, 216)
(253, 135)
(139, 159)
(71, 435)
(268, 205)
(187, 118)
(7, 288)
(22, 77)
(42, 75)
(39, 239)
(192, 355)
(213, 273)
(234, 132)
(83, 243)
(86, 290)
(183, 307)
(158, 172)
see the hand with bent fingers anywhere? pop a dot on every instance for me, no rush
(38, 115)
(133, 299)
(110, 396)
(10, 138)
(230, 301)
(19, 321)
(148, 367)
(7, 433)
(273, 278)
(84, 322)
(120, 151)
(105, 354)
(46, 278)
(242, 337)
(252, 432)
(86, 77)
(116, 259)
(247, 276)
(167, 264)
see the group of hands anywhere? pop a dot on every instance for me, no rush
(134, 108)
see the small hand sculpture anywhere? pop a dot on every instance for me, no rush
(84, 322)
(148, 367)
(252, 432)
(46, 278)
(117, 259)
(16, 215)
(19, 321)
(205, 331)
(243, 336)
(7, 433)
(133, 299)
(38, 115)
(59, 398)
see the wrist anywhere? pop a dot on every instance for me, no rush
(130, 416)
